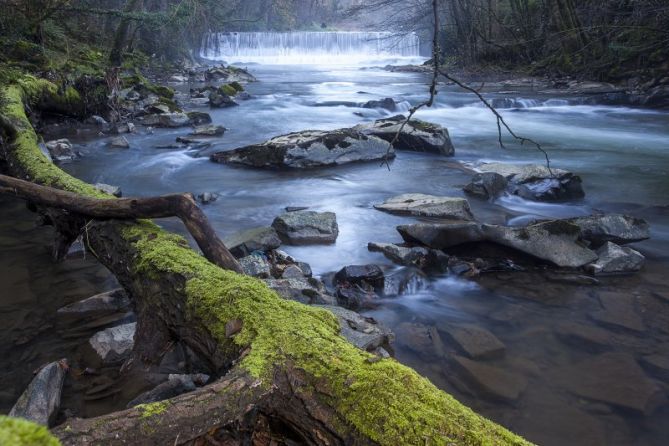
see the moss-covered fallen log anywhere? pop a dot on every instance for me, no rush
(299, 370)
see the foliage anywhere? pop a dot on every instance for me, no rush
(20, 432)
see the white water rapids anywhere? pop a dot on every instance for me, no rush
(327, 48)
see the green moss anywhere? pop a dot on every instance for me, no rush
(153, 409)
(423, 125)
(140, 83)
(386, 401)
(20, 432)
(227, 89)
(237, 86)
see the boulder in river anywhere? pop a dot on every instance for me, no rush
(228, 74)
(309, 148)
(421, 205)
(487, 185)
(363, 332)
(385, 103)
(41, 400)
(537, 182)
(616, 259)
(416, 135)
(171, 120)
(554, 241)
(364, 275)
(307, 227)
(616, 228)
(208, 130)
(120, 142)
(493, 382)
(198, 118)
(60, 150)
(262, 239)
(114, 344)
(207, 197)
(218, 99)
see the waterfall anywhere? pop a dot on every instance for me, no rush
(309, 47)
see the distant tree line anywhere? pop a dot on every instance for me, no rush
(606, 39)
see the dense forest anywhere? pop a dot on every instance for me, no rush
(334, 222)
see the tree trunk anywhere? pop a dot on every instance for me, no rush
(116, 54)
(278, 358)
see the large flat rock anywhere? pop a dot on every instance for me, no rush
(618, 311)
(416, 135)
(616, 228)
(246, 242)
(309, 148)
(492, 381)
(476, 342)
(612, 378)
(422, 205)
(307, 227)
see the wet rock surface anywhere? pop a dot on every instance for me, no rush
(612, 378)
(364, 333)
(170, 120)
(256, 239)
(415, 136)
(618, 311)
(616, 259)
(615, 228)
(60, 150)
(304, 290)
(41, 400)
(310, 148)
(228, 74)
(487, 185)
(491, 381)
(114, 344)
(423, 205)
(307, 227)
(537, 182)
(476, 342)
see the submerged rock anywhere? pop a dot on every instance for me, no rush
(618, 311)
(428, 206)
(493, 382)
(616, 259)
(416, 136)
(537, 182)
(307, 227)
(114, 344)
(582, 336)
(309, 148)
(616, 228)
(41, 400)
(487, 185)
(477, 342)
(421, 339)
(245, 242)
(612, 378)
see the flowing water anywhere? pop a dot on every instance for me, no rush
(621, 153)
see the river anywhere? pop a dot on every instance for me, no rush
(622, 155)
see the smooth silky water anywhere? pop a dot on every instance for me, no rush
(622, 154)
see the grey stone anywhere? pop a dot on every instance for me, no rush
(114, 344)
(198, 118)
(228, 74)
(371, 275)
(109, 302)
(304, 290)
(256, 265)
(309, 148)
(257, 239)
(616, 228)
(477, 342)
(487, 185)
(491, 381)
(172, 120)
(421, 339)
(41, 400)
(307, 227)
(386, 103)
(60, 150)
(174, 386)
(158, 108)
(616, 259)
(218, 99)
(416, 136)
(207, 197)
(618, 311)
(537, 182)
(208, 130)
(292, 272)
(120, 143)
(109, 189)
(362, 332)
(441, 235)
(356, 297)
(400, 254)
(583, 336)
(611, 378)
(554, 241)
(127, 127)
(422, 205)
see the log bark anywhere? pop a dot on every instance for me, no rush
(288, 361)
(182, 206)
